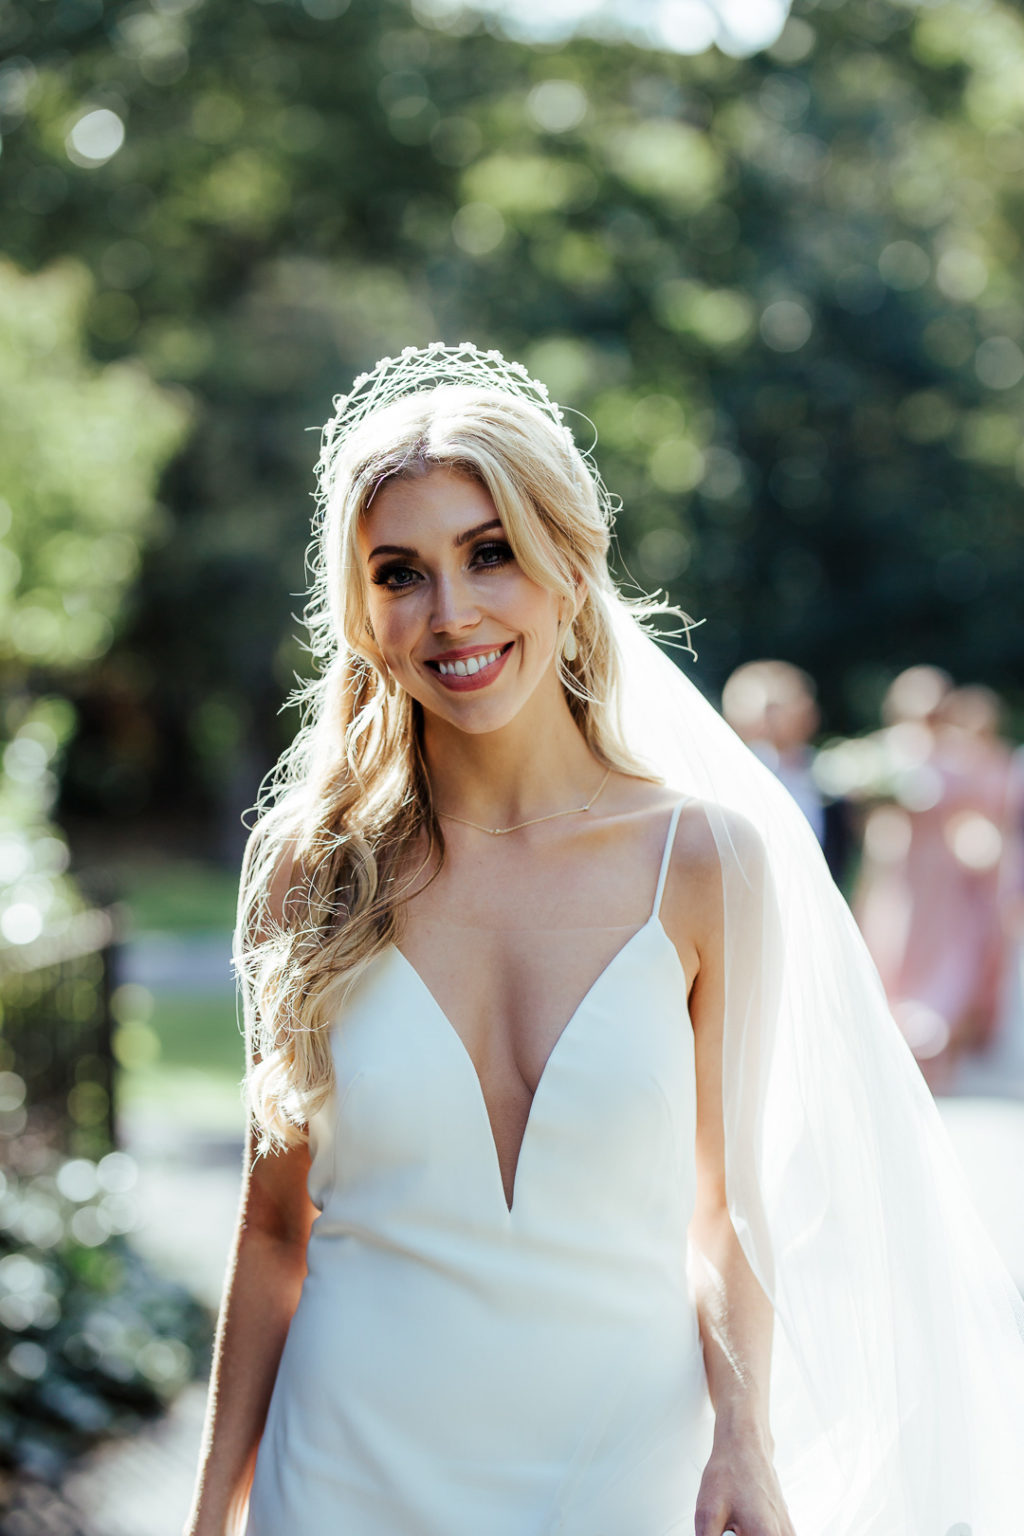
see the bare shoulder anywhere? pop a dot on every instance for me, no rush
(709, 833)
(709, 838)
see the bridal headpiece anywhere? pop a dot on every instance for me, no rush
(436, 365)
(439, 365)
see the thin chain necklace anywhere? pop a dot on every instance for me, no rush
(576, 810)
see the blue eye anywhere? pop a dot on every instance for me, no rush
(395, 577)
(494, 553)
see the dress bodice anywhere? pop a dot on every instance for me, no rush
(616, 1098)
(460, 1365)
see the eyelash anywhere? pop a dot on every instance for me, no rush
(384, 575)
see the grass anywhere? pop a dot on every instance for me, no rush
(185, 1060)
(179, 895)
(198, 1029)
(195, 1099)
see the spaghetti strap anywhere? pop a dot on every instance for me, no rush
(670, 839)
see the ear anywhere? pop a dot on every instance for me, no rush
(580, 584)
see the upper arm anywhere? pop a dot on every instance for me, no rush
(695, 921)
(275, 1196)
(707, 1012)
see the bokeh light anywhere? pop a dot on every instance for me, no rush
(95, 138)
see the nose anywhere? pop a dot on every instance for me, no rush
(455, 608)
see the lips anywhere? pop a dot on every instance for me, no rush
(465, 671)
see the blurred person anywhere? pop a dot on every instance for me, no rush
(773, 707)
(973, 715)
(985, 837)
(588, 1184)
(1006, 1055)
(928, 897)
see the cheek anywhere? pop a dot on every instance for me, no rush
(393, 623)
(544, 622)
(526, 605)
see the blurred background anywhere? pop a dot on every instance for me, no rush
(772, 257)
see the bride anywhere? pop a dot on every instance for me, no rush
(589, 1186)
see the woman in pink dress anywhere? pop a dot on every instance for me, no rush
(929, 898)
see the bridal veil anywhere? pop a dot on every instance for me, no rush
(898, 1343)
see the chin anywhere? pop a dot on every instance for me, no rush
(477, 720)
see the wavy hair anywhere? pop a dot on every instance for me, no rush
(321, 891)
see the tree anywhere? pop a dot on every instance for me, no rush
(782, 287)
(80, 447)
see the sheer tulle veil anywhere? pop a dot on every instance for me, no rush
(898, 1344)
(898, 1338)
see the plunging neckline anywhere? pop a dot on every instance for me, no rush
(581, 1007)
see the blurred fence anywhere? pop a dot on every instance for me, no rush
(56, 1058)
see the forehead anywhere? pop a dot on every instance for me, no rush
(434, 506)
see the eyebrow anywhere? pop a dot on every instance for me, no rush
(460, 538)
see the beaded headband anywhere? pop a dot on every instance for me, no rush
(422, 368)
(418, 368)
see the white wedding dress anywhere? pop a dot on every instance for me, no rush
(458, 1368)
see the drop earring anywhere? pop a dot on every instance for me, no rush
(570, 650)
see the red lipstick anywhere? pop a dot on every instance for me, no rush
(465, 670)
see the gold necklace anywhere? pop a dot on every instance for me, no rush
(501, 831)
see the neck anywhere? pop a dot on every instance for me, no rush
(529, 767)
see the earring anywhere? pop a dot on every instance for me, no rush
(570, 650)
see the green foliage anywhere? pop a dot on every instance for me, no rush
(95, 1340)
(55, 1077)
(36, 895)
(784, 288)
(79, 447)
(92, 1339)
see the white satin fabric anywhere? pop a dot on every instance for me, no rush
(457, 1368)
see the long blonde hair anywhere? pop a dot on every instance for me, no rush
(319, 894)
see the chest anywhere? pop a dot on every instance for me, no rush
(509, 992)
(614, 1098)
(508, 938)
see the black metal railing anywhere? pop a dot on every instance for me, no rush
(57, 1064)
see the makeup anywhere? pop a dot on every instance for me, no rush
(473, 667)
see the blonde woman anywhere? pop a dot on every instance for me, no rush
(528, 1053)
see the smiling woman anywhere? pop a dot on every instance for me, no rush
(459, 570)
(589, 1186)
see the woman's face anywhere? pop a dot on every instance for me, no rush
(460, 626)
